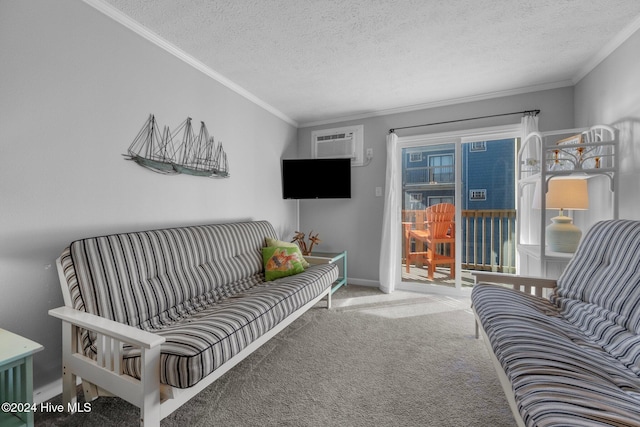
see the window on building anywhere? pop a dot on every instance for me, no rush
(478, 146)
(415, 157)
(441, 168)
(477, 195)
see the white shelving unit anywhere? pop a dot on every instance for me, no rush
(588, 153)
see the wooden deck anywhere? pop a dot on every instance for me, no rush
(441, 276)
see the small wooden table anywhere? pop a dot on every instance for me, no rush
(16, 379)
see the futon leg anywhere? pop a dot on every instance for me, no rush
(150, 379)
(69, 343)
(91, 392)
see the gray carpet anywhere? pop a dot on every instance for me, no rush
(374, 360)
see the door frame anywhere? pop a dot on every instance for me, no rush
(457, 138)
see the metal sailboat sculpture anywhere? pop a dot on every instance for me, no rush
(195, 155)
(151, 150)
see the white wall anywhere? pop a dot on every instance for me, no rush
(356, 224)
(610, 94)
(75, 88)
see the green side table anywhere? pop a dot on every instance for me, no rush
(16, 379)
(330, 258)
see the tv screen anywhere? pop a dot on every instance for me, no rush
(316, 178)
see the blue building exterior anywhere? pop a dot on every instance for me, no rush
(488, 175)
(428, 176)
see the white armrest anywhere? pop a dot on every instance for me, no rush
(511, 279)
(528, 284)
(120, 331)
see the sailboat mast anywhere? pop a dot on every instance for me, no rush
(145, 145)
(186, 142)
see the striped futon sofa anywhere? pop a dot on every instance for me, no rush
(154, 317)
(573, 358)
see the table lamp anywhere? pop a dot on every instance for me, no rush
(562, 235)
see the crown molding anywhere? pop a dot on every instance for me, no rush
(608, 49)
(443, 103)
(154, 38)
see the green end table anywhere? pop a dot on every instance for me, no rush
(16, 379)
(330, 258)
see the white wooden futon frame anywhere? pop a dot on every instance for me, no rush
(104, 376)
(537, 286)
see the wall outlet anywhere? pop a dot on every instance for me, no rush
(378, 191)
(369, 153)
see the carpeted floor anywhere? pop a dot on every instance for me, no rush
(403, 359)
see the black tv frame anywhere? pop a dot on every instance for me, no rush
(328, 178)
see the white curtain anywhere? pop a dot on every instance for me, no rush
(391, 226)
(529, 124)
(529, 220)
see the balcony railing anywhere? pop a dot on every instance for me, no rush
(429, 175)
(487, 238)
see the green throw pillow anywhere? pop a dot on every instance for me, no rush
(280, 262)
(275, 242)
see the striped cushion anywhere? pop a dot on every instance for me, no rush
(599, 292)
(182, 283)
(137, 278)
(201, 341)
(559, 377)
(574, 359)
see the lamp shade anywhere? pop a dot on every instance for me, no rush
(562, 235)
(568, 194)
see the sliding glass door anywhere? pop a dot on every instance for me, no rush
(428, 213)
(488, 210)
(457, 207)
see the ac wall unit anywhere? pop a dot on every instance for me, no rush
(344, 142)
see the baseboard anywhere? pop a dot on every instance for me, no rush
(47, 392)
(428, 288)
(363, 282)
(414, 287)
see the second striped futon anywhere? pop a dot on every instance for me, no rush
(574, 359)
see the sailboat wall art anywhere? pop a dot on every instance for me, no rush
(180, 151)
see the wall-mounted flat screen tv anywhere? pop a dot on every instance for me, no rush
(316, 178)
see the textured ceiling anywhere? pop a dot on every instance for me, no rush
(318, 60)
